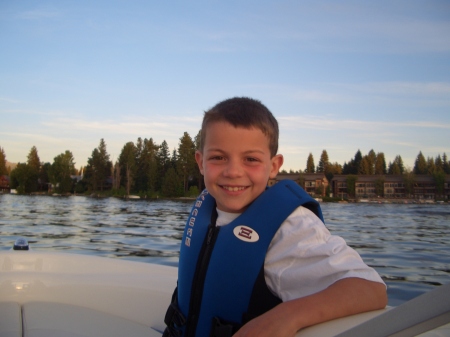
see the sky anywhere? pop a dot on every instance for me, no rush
(339, 76)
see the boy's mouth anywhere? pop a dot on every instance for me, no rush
(233, 188)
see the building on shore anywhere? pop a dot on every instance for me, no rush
(314, 183)
(372, 186)
(4, 184)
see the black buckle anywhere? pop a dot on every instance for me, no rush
(174, 316)
(171, 331)
(222, 328)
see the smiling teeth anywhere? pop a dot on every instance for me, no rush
(233, 189)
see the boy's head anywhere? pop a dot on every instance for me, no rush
(238, 152)
(246, 113)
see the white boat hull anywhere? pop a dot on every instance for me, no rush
(68, 295)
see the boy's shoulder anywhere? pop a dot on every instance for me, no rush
(287, 193)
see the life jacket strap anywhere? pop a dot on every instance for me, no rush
(174, 318)
(222, 328)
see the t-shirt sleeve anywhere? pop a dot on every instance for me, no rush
(304, 258)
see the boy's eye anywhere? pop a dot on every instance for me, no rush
(252, 159)
(216, 158)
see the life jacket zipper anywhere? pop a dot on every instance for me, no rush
(199, 280)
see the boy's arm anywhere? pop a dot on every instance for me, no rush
(343, 298)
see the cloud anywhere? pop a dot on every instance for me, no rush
(8, 100)
(38, 14)
(132, 126)
(415, 89)
(325, 123)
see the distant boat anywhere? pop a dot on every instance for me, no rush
(133, 197)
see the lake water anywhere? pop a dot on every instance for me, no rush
(408, 244)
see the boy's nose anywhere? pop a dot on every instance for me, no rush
(233, 169)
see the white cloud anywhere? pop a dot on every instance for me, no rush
(38, 14)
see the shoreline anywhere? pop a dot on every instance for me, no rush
(406, 201)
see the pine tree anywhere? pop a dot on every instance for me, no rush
(439, 164)
(431, 167)
(99, 167)
(186, 165)
(380, 164)
(371, 160)
(323, 162)
(396, 167)
(200, 180)
(3, 169)
(365, 166)
(445, 164)
(163, 164)
(127, 163)
(310, 167)
(420, 165)
(33, 159)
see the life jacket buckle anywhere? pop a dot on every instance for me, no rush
(221, 328)
(174, 316)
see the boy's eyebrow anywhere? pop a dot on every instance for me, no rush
(245, 152)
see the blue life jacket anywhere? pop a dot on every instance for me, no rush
(219, 266)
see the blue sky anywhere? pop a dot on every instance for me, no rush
(338, 75)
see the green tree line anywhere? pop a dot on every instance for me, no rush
(149, 169)
(143, 168)
(375, 163)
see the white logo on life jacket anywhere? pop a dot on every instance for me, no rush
(246, 234)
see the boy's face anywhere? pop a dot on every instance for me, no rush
(236, 164)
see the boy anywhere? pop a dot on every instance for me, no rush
(257, 261)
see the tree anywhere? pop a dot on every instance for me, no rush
(127, 163)
(371, 158)
(439, 164)
(174, 159)
(323, 162)
(409, 181)
(396, 167)
(351, 185)
(172, 185)
(116, 176)
(200, 179)
(420, 165)
(3, 169)
(431, 167)
(62, 168)
(439, 180)
(24, 179)
(365, 166)
(33, 159)
(445, 164)
(44, 176)
(146, 166)
(380, 164)
(310, 167)
(99, 167)
(163, 164)
(186, 164)
(352, 167)
(379, 187)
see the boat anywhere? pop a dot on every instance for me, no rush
(73, 295)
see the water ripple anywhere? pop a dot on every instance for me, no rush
(406, 244)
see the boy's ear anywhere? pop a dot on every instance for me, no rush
(277, 162)
(199, 160)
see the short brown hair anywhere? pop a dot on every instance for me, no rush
(243, 112)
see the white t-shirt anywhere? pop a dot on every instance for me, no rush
(304, 258)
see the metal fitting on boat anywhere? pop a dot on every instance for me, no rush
(21, 244)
